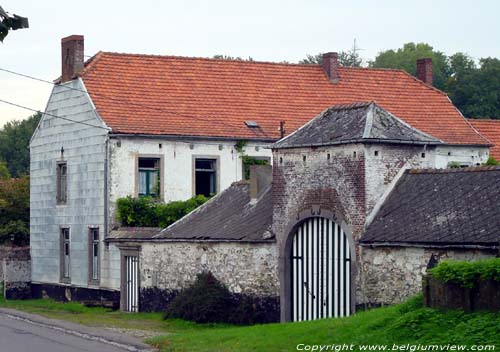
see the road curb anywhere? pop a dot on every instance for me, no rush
(122, 341)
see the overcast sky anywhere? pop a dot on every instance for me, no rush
(266, 30)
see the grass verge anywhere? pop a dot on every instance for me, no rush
(407, 323)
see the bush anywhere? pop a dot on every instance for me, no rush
(491, 161)
(209, 301)
(466, 273)
(148, 212)
(206, 301)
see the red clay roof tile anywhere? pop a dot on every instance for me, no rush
(167, 95)
(491, 130)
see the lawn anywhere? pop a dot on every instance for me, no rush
(407, 323)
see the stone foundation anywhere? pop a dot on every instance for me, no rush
(87, 296)
(390, 275)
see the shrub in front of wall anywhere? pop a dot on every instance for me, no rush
(149, 212)
(206, 301)
(491, 161)
(171, 212)
(467, 274)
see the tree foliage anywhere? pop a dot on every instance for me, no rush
(229, 57)
(14, 144)
(10, 22)
(15, 210)
(406, 58)
(349, 58)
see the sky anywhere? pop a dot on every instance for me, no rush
(266, 30)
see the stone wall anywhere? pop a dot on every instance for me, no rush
(246, 268)
(15, 270)
(391, 274)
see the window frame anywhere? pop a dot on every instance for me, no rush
(61, 192)
(161, 172)
(65, 260)
(91, 243)
(216, 158)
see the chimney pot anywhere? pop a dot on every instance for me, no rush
(424, 70)
(72, 59)
(330, 66)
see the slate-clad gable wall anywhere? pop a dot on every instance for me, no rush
(84, 152)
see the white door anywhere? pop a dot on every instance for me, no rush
(132, 283)
(321, 271)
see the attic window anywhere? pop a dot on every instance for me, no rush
(252, 124)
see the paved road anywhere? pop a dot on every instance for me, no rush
(20, 336)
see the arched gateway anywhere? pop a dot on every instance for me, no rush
(320, 270)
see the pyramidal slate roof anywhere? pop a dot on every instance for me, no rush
(363, 122)
(447, 207)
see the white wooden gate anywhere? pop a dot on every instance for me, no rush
(321, 271)
(132, 283)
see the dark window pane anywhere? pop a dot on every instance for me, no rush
(205, 164)
(148, 163)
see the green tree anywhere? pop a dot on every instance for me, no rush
(475, 91)
(229, 57)
(15, 210)
(10, 22)
(349, 58)
(406, 58)
(4, 171)
(14, 143)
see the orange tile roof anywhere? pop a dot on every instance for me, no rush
(147, 94)
(491, 130)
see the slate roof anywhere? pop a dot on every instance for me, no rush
(491, 130)
(229, 216)
(358, 122)
(124, 233)
(457, 207)
(180, 96)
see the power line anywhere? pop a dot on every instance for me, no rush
(113, 98)
(88, 124)
(46, 113)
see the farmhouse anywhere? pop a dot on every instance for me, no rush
(291, 237)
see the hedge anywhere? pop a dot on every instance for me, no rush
(149, 212)
(467, 274)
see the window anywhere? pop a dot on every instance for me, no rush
(65, 254)
(62, 183)
(149, 177)
(205, 176)
(94, 255)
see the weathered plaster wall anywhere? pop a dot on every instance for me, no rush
(85, 154)
(383, 162)
(391, 274)
(243, 267)
(177, 168)
(467, 156)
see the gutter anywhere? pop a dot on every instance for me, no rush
(187, 137)
(427, 245)
(190, 240)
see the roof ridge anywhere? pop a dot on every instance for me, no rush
(384, 69)
(454, 170)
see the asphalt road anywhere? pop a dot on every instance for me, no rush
(20, 336)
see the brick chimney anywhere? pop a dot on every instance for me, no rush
(330, 66)
(424, 70)
(71, 57)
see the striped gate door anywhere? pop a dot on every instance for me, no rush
(132, 281)
(321, 267)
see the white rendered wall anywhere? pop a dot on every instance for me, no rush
(464, 155)
(177, 164)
